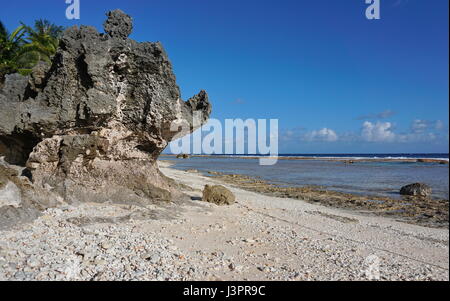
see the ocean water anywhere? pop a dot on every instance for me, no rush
(366, 178)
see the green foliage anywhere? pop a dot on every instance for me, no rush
(42, 40)
(10, 46)
(26, 46)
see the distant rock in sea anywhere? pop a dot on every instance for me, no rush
(432, 161)
(416, 189)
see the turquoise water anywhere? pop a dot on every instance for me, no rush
(367, 178)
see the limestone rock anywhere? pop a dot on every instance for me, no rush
(20, 200)
(218, 195)
(118, 24)
(416, 189)
(93, 123)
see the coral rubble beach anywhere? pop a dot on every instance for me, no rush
(259, 237)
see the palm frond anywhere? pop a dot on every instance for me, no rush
(26, 46)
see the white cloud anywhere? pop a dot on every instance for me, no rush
(377, 132)
(289, 134)
(419, 126)
(324, 134)
(439, 125)
(417, 137)
(419, 131)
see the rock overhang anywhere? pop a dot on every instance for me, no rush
(92, 124)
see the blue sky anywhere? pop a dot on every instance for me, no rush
(337, 82)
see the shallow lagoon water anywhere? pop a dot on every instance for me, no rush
(367, 178)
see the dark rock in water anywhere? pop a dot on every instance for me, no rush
(432, 161)
(416, 189)
(183, 156)
(218, 195)
(92, 124)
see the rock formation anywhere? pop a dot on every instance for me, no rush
(91, 126)
(416, 189)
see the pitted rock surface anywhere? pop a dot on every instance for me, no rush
(91, 125)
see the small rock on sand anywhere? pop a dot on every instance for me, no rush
(218, 195)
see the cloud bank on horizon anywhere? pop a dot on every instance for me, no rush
(381, 133)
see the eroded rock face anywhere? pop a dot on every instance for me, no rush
(218, 195)
(20, 200)
(92, 125)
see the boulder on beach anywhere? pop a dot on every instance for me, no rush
(416, 189)
(218, 195)
(92, 124)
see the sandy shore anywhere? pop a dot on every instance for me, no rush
(258, 238)
(428, 212)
